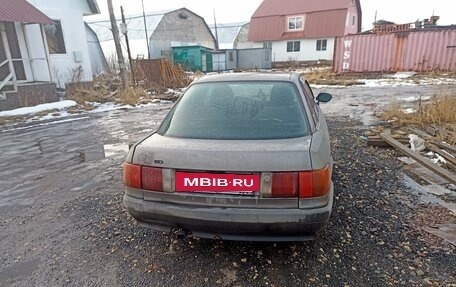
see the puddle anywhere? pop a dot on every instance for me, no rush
(425, 196)
(92, 154)
(115, 149)
(86, 184)
(19, 271)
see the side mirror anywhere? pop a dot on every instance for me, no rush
(324, 97)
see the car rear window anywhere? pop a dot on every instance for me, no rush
(238, 110)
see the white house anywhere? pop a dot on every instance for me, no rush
(42, 46)
(66, 38)
(303, 30)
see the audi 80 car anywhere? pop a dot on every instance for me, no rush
(240, 156)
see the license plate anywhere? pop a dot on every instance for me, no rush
(214, 182)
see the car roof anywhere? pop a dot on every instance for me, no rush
(250, 76)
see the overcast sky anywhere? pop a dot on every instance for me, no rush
(229, 11)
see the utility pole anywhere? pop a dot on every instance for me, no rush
(115, 34)
(145, 29)
(216, 33)
(124, 31)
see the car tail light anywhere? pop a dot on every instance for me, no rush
(152, 178)
(132, 175)
(321, 181)
(314, 183)
(305, 184)
(284, 184)
(143, 177)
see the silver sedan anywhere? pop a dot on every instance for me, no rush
(242, 156)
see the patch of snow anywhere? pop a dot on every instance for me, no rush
(107, 107)
(175, 92)
(439, 159)
(327, 86)
(409, 99)
(51, 116)
(386, 82)
(39, 108)
(154, 103)
(408, 111)
(403, 75)
(436, 158)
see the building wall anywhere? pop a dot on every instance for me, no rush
(173, 27)
(254, 59)
(231, 59)
(29, 95)
(242, 39)
(249, 45)
(189, 57)
(350, 27)
(418, 51)
(308, 51)
(97, 58)
(70, 13)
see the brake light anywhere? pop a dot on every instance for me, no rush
(305, 184)
(132, 175)
(285, 184)
(321, 181)
(314, 183)
(152, 178)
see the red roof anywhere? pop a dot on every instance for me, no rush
(294, 7)
(325, 24)
(21, 11)
(323, 18)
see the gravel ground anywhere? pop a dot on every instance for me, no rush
(373, 239)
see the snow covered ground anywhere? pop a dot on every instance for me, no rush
(39, 108)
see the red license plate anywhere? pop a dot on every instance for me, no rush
(214, 182)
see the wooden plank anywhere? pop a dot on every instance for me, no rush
(421, 133)
(443, 154)
(451, 177)
(432, 130)
(378, 141)
(447, 147)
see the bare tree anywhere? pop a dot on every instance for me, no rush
(115, 34)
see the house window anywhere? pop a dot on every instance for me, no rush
(295, 23)
(294, 46)
(322, 45)
(267, 45)
(54, 36)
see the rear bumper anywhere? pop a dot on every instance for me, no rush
(256, 224)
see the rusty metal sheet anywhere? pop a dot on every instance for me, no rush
(419, 51)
